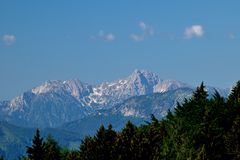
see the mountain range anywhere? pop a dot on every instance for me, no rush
(80, 108)
(56, 102)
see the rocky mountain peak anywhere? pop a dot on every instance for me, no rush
(57, 101)
(74, 87)
(142, 82)
(143, 73)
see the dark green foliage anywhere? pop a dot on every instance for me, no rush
(67, 154)
(48, 150)
(37, 150)
(72, 155)
(104, 140)
(235, 94)
(52, 149)
(100, 146)
(232, 140)
(125, 142)
(200, 95)
(88, 149)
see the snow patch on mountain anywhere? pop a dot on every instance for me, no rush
(56, 102)
(76, 88)
(107, 94)
(130, 112)
(166, 85)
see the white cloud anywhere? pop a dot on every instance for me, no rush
(136, 37)
(9, 39)
(142, 25)
(109, 37)
(194, 31)
(146, 31)
(104, 36)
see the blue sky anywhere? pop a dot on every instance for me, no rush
(98, 41)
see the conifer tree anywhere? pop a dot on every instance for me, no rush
(235, 93)
(125, 142)
(200, 95)
(88, 149)
(52, 149)
(100, 142)
(232, 141)
(233, 104)
(72, 155)
(37, 150)
(101, 146)
(110, 141)
(105, 140)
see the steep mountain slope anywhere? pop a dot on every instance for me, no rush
(140, 82)
(48, 105)
(136, 109)
(13, 140)
(157, 103)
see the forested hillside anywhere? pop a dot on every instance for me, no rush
(199, 128)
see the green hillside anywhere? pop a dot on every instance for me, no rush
(14, 139)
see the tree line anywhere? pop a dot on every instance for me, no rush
(200, 128)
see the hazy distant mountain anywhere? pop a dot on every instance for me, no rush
(57, 102)
(51, 104)
(90, 124)
(157, 103)
(14, 139)
(136, 109)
